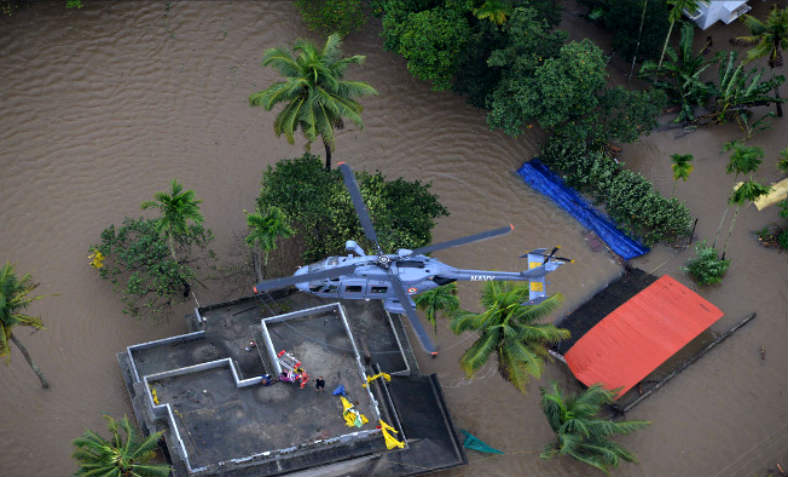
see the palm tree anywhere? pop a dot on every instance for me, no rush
(580, 433)
(741, 89)
(15, 297)
(120, 456)
(177, 209)
(510, 329)
(682, 168)
(675, 15)
(264, 230)
(747, 192)
(496, 11)
(743, 160)
(769, 38)
(316, 96)
(444, 298)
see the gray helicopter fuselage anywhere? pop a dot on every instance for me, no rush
(418, 274)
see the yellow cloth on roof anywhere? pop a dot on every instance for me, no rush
(391, 442)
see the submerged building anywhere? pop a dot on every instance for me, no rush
(208, 390)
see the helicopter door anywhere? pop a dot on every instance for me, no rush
(353, 289)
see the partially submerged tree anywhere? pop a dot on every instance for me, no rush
(675, 15)
(511, 330)
(329, 16)
(178, 209)
(748, 191)
(264, 231)
(15, 296)
(319, 207)
(316, 96)
(442, 299)
(680, 75)
(769, 38)
(139, 262)
(681, 167)
(580, 433)
(123, 455)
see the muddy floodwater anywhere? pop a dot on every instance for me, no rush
(103, 106)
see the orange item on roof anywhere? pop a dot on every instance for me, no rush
(638, 336)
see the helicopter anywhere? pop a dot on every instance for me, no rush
(395, 277)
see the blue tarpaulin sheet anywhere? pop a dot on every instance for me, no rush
(538, 176)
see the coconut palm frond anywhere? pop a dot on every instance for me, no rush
(477, 355)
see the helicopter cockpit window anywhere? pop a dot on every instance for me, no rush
(353, 288)
(378, 289)
(331, 261)
(316, 287)
(330, 289)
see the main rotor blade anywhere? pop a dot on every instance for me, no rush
(465, 240)
(410, 312)
(285, 282)
(358, 203)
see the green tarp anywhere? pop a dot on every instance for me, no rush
(473, 442)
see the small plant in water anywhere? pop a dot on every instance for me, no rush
(707, 268)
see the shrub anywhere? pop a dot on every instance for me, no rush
(707, 268)
(319, 206)
(631, 200)
(136, 259)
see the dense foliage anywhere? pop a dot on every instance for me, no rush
(330, 16)
(319, 206)
(707, 268)
(630, 198)
(622, 19)
(139, 263)
(580, 433)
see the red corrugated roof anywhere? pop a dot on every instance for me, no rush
(638, 336)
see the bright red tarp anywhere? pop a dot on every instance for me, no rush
(638, 336)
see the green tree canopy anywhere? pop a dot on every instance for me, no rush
(580, 433)
(123, 455)
(319, 206)
(431, 42)
(562, 89)
(510, 330)
(15, 296)
(316, 96)
(139, 263)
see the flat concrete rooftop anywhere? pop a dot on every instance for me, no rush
(221, 420)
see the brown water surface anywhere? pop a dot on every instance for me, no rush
(101, 107)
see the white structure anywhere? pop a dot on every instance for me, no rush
(710, 11)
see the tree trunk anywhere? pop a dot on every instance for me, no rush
(778, 103)
(665, 46)
(328, 155)
(44, 383)
(730, 230)
(258, 269)
(637, 45)
(171, 244)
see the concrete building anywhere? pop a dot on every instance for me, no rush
(207, 391)
(710, 12)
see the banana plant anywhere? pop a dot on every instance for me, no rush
(741, 89)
